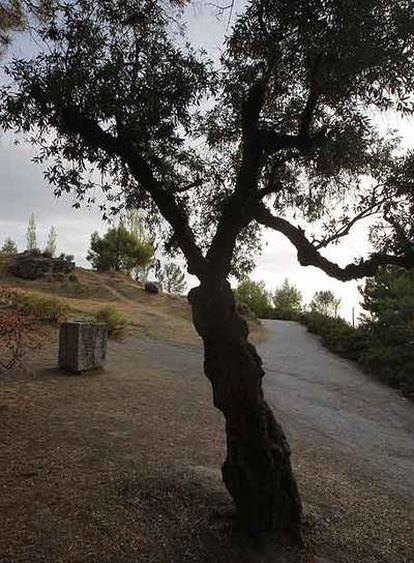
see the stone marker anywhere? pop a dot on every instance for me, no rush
(82, 346)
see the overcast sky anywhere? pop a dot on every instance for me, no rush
(23, 191)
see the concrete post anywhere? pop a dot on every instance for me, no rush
(82, 346)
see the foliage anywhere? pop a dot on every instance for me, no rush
(388, 327)
(255, 296)
(287, 301)
(4, 265)
(134, 224)
(9, 247)
(46, 309)
(119, 250)
(18, 15)
(325, 303)
(51, 242)
(171, 277)
(336, 334)
(31, 235)
(19, 334)
(288, 123)
(383, 344)
(115, 319)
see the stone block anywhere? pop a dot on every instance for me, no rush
(82, 346)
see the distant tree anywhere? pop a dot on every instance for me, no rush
(325, 303)
(51, 242)
(134, 224)
(118, 250)
(388, 299)
(31, 234)
(171, 277)
(254, 295)
(287, 300)
(9, 247)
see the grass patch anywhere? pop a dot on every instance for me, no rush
(115, 319)
(47, 309)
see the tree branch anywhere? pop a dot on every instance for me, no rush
(126, 149)
(308, 254)
(345, 229)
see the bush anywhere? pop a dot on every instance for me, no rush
(336, 334)
(47, 309)
(19, 334)
(393, 364)
(115, 320)
(4, 265)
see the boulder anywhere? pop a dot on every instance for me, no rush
(32, 266)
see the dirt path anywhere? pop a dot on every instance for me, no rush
(123, 466)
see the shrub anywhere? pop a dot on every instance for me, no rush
(4, 265)
(47, 309)
(336, 334)
(115, 319)
(19, 334)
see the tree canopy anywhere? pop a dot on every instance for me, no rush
(9, 246)
(287, 127)
(287, 300)
(325, 303)
(119, 250)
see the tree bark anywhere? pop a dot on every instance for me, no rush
(257, 471)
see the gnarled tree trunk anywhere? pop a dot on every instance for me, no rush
(257, 470)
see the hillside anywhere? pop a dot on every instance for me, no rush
(160, 316)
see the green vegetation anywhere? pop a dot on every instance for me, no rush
(383, 344)
(171, 277)
(254, 296)
(287, 302)
(51, 242)
(47, 309)
(325, 303)
(31, 234)
(115, 319)
(9, 247)
(120, 250)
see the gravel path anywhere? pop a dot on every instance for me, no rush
(327, 401)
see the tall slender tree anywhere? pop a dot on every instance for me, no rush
(287, 132)
(51, 244)
(31, 234)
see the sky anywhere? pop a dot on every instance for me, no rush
(23, 191)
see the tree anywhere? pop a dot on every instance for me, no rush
(171, 277)
(51, 242)
(387, 327)
(31, 234)
(9, 247)
(287, 300)
(286, 132)
(255, 296)
(135, 226)
(388, 298)
(118, 250)
(325, 303)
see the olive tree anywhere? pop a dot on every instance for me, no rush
(280, 134)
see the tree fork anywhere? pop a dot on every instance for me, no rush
(257, 471)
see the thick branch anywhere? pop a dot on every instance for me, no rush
(125, 148)
(308, 254)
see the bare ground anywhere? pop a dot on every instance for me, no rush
(123, 466)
